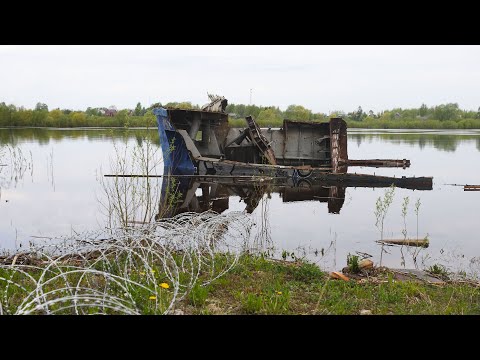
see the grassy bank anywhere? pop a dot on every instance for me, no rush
(256, 285)
(260, 286)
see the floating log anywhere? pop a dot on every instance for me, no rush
(379, 163)
(408, 242)
(471, 188)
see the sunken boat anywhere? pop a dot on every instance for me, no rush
(201, 143)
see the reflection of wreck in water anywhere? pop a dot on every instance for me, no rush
(301, 160)
(202, 193)
(214, 195)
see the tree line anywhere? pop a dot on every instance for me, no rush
(448, 116)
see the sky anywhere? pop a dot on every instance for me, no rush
(321, 78)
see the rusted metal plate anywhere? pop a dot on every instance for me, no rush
(207, 129)
(260, 141)
(471, 188)
(338, 145)
(303, 143)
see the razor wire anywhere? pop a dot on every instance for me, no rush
(145, 269)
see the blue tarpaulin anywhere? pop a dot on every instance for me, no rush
(175, 154)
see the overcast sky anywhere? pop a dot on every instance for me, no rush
(321, 78)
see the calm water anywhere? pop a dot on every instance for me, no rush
(52, 188)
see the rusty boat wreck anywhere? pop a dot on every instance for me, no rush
(201, 143)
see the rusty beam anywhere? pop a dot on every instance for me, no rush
(471, 188)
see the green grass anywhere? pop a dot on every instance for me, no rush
(440, 270)
(352, 263)
(261, 286)
(198, 295)
(257, 285)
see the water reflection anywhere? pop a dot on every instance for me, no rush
(202, 193)
(443, 141)
(14, 137)
(439, 139)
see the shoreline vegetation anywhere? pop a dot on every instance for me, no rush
(445, 116)
(255, 285)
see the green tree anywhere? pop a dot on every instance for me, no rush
(78, 118)
(269, 116)
(150, 119)
(5, 114)
(41, 106)
(252, 110)
(319, 117)
(180, 105)
(423, 110)
(298, 112)
(240, 110)
(447, 112)
(358, 115)
(138, 110)
(122, 118)
(155, 105)
(92, 111)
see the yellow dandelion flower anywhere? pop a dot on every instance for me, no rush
(142, 273)
(279, 292)
(164, 285)
(152, 298)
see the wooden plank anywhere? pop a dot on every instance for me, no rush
(407, 242)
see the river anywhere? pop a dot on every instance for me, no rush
(51, 185)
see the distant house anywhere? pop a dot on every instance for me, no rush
(111, 111)
(397, 115)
